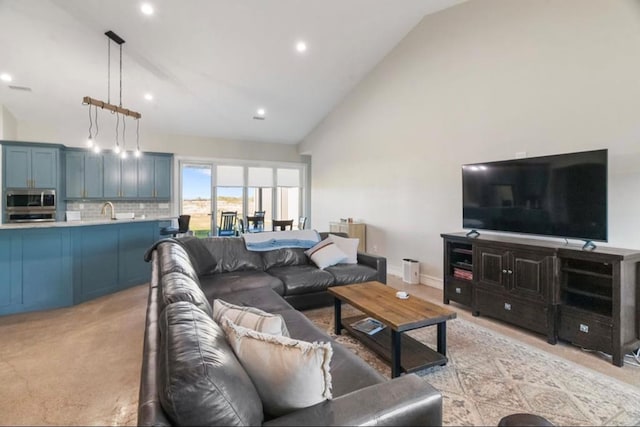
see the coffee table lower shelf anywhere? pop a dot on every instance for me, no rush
(413, 354)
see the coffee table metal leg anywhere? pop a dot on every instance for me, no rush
(396, 347)
(337, 315)
(442, 338)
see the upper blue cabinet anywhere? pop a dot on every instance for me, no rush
(154, 176)
(107, 176)
(84, 172)
(27, 166)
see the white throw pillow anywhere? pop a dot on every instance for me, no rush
(325, 254)
(288, 374)
(250, 317)
(348, 246)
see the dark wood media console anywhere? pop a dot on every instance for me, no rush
(590, 298)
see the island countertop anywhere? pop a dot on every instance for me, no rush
(106, 221)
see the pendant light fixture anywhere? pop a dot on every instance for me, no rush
(115, 109)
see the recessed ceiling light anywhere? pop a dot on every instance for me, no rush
(261, 112)
(146, 8)
(5, 77)
(301, 46)
(148, 97)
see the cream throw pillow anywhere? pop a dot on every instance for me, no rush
(250, 317)
(288, 374)
(348, 246)
(325, 254)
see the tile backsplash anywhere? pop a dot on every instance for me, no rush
(91, 210)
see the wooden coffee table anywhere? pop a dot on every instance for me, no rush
(399, 315)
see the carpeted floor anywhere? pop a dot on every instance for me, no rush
(490, 375)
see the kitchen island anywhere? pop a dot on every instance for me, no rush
(57, 264)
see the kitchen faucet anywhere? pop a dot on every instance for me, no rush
(104, 209)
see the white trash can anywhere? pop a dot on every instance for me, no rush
(410, 271)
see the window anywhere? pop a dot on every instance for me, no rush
(209, 188)
(229, 190)
(196, 197)
(288, 194)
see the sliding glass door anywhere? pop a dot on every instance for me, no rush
(208, 188)
(196, 197)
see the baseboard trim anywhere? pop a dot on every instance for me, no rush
(434, 282)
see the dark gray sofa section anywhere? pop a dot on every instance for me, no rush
(190, 376)
(225, 263)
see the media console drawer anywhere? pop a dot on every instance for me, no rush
(523, 313)
(584, 329)
(459, 291)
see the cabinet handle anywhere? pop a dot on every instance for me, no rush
(510, 271)
(584, 328)
(458, 291)
(504, 271)
(507, 306)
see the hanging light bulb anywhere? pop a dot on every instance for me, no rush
(116, 149)
(138, 153)
(124, 141)
(90, 138)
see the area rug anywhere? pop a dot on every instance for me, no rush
(490, 375)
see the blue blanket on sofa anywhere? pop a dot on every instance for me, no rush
(271, 240)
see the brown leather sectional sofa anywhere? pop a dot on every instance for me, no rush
(190, 375)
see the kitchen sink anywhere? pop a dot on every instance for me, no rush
(125, 215)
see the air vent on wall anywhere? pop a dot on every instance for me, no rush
(258, 118)
(23, 88)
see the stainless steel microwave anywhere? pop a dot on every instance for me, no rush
(30, 205)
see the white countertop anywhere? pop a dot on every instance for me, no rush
(105, 221)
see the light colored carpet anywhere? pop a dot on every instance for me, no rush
(490, 376)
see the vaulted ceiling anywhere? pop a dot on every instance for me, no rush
(209, 64)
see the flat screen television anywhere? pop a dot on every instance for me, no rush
(562, 195)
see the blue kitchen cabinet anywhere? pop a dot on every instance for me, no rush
(129, 178)
(162, 176)
(154, 176)
(7, 283)
(112, 176)
(84, 175)
(52, 267)
(111, 257)
(27, 166)
(145, 176)
(134, 241)
(95, 250)
(120, 177)
(35, 270)
(46, 269)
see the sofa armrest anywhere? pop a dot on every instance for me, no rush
(404, 401)
(375, 261)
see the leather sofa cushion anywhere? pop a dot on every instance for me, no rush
(232, 255)
(215, 285)
(200, 381)
(263, 298)
(298, 279)
(352, 273)
(174, 258)
(202, 259)
(284, 257)
(180, 287)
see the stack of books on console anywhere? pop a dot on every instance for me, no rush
(368, 325)
(462, 274)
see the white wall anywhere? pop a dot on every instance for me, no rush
(8, 124)
(480, 82)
